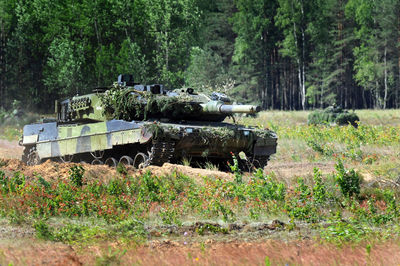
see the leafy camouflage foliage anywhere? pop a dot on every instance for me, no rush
(133, 105)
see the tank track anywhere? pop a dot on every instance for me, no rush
(161, 152)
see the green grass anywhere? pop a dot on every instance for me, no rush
(373, 146)
(294, 118)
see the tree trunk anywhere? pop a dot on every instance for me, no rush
(2, 62)
(398, 85)
(303, 59)
(385, 76)
(377, 97)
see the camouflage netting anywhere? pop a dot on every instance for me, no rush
(333, 115)
(132, 105)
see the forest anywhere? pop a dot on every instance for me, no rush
(280, 54)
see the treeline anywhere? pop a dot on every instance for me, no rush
(281, 54)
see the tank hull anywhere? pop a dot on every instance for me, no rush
(157, 142)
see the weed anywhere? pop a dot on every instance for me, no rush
(42, 230)
(348, 180)
(236, 170)
(319, 189)
(267, 261)
(201, 229)
(16, 218)
(121, 169)
(76, 175)
(341, 231)
(186, 161)
(115, 187)
(43, 182)
(368, 249)
(69, 233)
(111, 258)
(131, 228)
(210, 166)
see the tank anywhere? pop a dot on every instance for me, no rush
(141, 125)
(333, 115)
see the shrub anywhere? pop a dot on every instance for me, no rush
(42, 230)
(319, 189)
(76, 175)
(348, 180)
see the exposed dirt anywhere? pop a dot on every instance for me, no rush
(209, 252)
(289, 170)
(10, 149)
(306, 252)
(24, 252)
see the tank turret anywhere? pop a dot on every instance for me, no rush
(130, 101)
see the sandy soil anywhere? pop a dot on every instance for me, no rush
(10, 149)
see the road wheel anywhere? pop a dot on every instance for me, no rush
(111, 161)
(141, 161)
(67, 158)
(126, 160)
(97, 162)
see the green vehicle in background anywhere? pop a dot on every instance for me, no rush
(143, 125)
(333, 115)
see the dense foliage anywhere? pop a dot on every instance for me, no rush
(282, 54)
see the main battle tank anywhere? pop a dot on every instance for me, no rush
(143, 125)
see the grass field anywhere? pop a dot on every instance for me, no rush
(328, 190)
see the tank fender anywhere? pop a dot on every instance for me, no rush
(265, 146)
(39, 132)
(124, 132)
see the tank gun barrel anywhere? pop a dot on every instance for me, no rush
(217, 107)
(247, 109)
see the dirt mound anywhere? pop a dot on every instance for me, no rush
(195, 173)
(51, 170)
